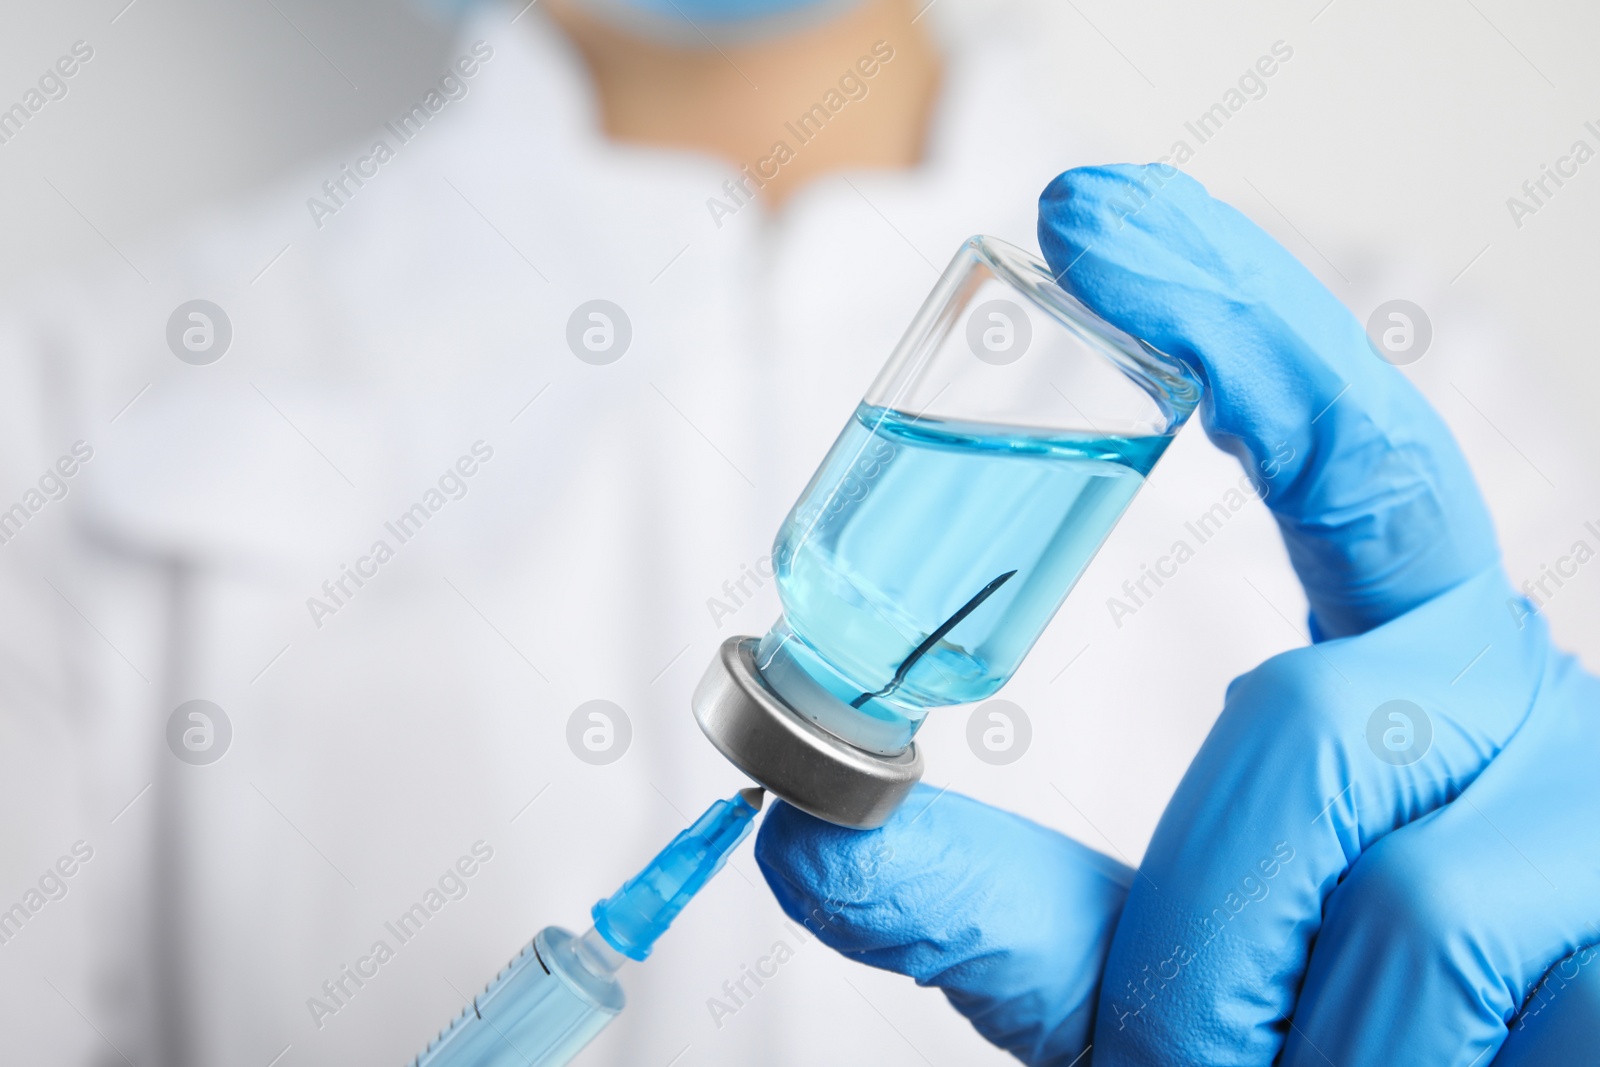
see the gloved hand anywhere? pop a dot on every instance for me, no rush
(1395, 886)
(1559, 1022)
(1389, 837)
(1010, 919)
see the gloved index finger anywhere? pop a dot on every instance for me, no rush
(1375, 501)
(1011, 919)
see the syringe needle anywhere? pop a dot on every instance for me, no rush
(551, 1000)
(636, 915)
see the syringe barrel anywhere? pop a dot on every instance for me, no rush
(540, 1011)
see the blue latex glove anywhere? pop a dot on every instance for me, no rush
(1332, 887)
(1397, 912)
(1010, 919)
(1559, 1023)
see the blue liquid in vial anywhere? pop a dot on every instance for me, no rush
(926, 557)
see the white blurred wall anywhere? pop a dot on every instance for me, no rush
(1384, 152)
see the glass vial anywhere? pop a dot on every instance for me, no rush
(971, 487)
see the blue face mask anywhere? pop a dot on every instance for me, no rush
(690, 22)
(718, 12)
(694, 23)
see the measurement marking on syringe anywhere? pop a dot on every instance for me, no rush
(475, 1010)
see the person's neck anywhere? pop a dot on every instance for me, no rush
(741, 102)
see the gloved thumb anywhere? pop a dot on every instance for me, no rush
(1375, 501)
(1012, 920)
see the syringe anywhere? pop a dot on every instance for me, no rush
(560, 991)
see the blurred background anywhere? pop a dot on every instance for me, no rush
(376, 336)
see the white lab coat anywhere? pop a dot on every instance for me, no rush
(374, 746)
